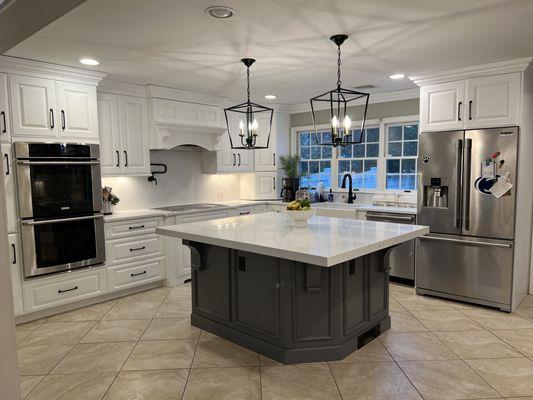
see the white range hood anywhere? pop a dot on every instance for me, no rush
(179, 119)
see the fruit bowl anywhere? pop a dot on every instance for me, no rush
(299, 217)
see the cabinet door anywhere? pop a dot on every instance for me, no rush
(133, 125)
(493, 101)
(9, 182)
(78, 111)
(245, 160)
(226, 156)
(265, 159)
(16, 273)
(33, 107)
(442, 106)
(110, 147)
(4, 115)
(266, 185)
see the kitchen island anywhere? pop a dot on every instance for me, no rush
(293, 294)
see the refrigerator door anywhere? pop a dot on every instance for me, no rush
(462, 268)
(483, 214)
(439, 166)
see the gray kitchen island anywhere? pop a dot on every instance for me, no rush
(293, 294)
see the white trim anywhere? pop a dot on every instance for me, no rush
(21, 66)
(502, 67)
(161, 92)
(373, 99)
(121, 88)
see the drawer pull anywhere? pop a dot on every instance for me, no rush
(137, 248)
(67, 290)
(14, 258)
(135, 227)
(138, 273)
(244, 213)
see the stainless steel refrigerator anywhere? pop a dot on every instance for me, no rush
(468, 254)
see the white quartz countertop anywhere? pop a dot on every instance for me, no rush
(325, 242)
(366, 207)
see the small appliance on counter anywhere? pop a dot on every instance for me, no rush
(289, 188)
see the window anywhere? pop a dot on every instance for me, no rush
(401, 153)
(361, 160)
(315, 164)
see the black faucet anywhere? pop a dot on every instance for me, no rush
(351, 195)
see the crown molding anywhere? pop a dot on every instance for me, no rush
(22, 66)
(121, 88)
(502, 67)
(161, 92)
(373, 99)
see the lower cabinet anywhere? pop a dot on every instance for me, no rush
(129, 275)
(15, 267)
(260, 186)
(63, 289)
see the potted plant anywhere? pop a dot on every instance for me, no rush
(109, 200)
(291, 183)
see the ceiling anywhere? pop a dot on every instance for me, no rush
(173, 43)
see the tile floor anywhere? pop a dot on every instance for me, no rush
(142, 347)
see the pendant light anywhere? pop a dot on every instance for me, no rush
(249, 121)
(338, 100)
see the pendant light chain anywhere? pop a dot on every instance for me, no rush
(339, 83)
(248, 83)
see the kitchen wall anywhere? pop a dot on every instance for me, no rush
(183, 183)
(387, 109)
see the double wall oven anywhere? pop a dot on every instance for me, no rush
(60, 206)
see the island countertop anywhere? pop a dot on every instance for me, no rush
(325, 242)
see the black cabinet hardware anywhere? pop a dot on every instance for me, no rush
(274, 183)
(242, 264)
(239, 156)
(125, 158)
(234, 159)
(4, 129)
(14, 257)
(470, 109)
(67, 290)
(137, 248)
(459, 110)
(52, 123)
(63, 121)
(6, 157)
(244, 213)
(135, 227)
(138, 273)
(274, 159)
(118, 158)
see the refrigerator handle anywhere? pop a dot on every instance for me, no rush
(458, 160)
(467, 184)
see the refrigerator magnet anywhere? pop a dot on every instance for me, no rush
(502, 186)
(488, 170)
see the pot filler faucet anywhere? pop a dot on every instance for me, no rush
(351, 195)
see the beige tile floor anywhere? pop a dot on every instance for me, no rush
(143, 347)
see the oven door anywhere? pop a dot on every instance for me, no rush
(62, 244)
(49, 189)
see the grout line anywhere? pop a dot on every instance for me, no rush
(190, 366)
(335, 380)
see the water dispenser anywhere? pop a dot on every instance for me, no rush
(435, 195)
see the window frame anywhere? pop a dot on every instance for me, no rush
(382, 158)
(402, 157)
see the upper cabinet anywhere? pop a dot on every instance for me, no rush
(267, 160)
(5, 127)
(124, 136)
(477, 102)
(45, 108)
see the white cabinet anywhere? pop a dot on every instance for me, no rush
(9, 183)
(125, 276)
(16, 274)
(33, 106)
(493, 101)
(184, 114)
(233, 160)
(260, 186)
(77, 111)
(124, 136)
(49, 109)
(5, 127)
(481, 102)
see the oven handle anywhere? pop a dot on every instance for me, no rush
(377, 217)
(53, 221)
(25, 162)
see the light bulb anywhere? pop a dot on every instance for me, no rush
(334, 122)
(347, 123)
(255, 125)
(241, 128)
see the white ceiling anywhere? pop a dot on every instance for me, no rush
(173, 43)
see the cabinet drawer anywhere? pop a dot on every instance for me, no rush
(57, 291)
(251, 210)
(125, 276)
(183, 219)
(132, 249)
(132, 227)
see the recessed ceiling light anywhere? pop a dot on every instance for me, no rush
(397, 76)
(271, 97)
(89, 61)
(219, 12)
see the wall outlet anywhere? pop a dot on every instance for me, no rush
(220, 196)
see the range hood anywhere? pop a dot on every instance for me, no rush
(178, 120)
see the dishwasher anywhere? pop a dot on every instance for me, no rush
(402, 257)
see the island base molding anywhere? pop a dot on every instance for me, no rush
(289, 311)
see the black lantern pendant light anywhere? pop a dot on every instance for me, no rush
(338, 100)
(248, 128)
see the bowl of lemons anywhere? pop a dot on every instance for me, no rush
(299, 212)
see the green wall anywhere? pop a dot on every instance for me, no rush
(375, 111)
